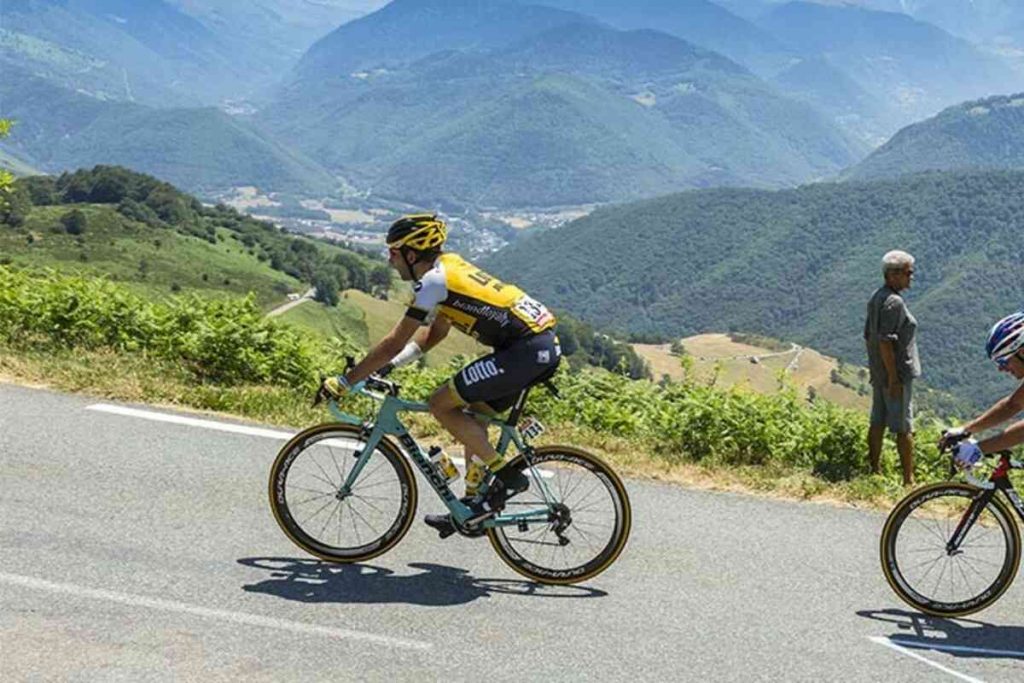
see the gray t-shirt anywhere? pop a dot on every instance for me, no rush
(888, 318)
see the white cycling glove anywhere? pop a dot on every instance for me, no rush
(952, 436)
(966, 454)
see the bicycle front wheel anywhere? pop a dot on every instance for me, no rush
(590, 518)
(315, 511)
(935, 580)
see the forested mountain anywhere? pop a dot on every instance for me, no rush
(823, 85)
(203, 150)
(982, 134)
(405, 30)
(273, 34)
(916, 66)
(992, 22)
(136, 50)
(796, 264)
(700, 22)
(574, 114)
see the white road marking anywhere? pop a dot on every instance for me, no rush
(207, 613)
(191, 421)
(221, 426)
(959, 648)
(878, 640)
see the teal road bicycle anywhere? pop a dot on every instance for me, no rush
(344, 491)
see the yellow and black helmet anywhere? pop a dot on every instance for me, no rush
(418, 231)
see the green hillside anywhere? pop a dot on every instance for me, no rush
(830, 90)
(986, 133)
(797, 265)
(137, 229)
(157, 263)
(201, 150)
(131, 50)
(576, 114)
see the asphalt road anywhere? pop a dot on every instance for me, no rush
(133, 549)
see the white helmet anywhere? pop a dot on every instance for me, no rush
(1006, 337)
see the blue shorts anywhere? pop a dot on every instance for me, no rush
(895, 413)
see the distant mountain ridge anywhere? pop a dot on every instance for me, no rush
(701, 22)
(406, 30)
(573, 113)
(202, 149)
(982, 134)
(916, 66)
(136, 50)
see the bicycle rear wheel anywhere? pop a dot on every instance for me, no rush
(309, 504)
(591, 518)
(930, 578)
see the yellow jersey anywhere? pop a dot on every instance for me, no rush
(493, 312)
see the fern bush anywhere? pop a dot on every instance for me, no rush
(230, 342)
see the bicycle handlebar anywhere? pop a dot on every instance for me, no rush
(374, 382)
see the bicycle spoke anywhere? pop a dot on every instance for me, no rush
(312, 499)
(326, 481)
(368, 504)
(327, 477)
(328, 520)
(318, 511)
(937, 533)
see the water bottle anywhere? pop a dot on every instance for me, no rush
(444, 465)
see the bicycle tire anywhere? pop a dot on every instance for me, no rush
(558, 459)
(294, 529)
(955, 496)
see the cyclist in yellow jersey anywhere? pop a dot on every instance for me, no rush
(449, 291)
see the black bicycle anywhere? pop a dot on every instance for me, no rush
(952, 548)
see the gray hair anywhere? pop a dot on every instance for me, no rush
(896, 260)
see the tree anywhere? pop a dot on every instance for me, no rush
(326, 290)
(6, 177)
(74, 222)
(15, 205)
(380, 279)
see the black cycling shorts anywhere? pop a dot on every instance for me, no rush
(497, 378)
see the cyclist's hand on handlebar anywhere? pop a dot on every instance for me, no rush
(951, 437)
(334, 387)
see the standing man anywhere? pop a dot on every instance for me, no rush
(889, 333)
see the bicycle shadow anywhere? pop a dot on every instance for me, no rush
(965, 638)
(307, 580)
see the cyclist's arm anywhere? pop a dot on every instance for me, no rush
(429, 337)
(1003, 410)
(386, 349)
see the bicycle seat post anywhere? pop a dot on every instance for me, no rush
(517, 408)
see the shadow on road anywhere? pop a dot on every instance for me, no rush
(965, 638)
(306, 580)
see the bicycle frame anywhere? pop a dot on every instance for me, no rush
(388, 423)
(999, 481)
